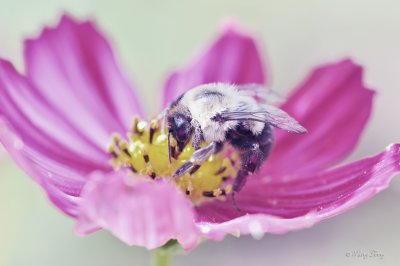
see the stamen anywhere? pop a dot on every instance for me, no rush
(153, 128)
(194, 169)
(132, 168)
(152, 175)
(138, 126)
(111, 150)
(146, 158)
(225, 178)
(145, 152)
(215, 193)
(209, 194)
(220, 170)
(127, 152)
(141, 126)
(135, 124)
(115, 138)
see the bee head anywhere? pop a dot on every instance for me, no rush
(181, 129)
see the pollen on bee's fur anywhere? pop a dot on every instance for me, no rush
(145, 151)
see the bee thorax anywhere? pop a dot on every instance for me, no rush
(215, 131)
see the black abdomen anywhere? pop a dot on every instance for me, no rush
(243, 139)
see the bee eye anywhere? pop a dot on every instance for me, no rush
(181, 128)
(181, 134)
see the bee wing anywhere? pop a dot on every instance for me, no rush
(269, 114)
(260, 93)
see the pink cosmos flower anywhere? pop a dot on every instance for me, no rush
(56, 121)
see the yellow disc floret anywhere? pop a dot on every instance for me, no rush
(145, 151)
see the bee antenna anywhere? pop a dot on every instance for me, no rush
(169, 147)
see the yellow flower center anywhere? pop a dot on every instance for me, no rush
(145, 151)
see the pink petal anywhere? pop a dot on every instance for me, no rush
(75, 72)
(56, 123)
(300, 203)
(232, 58)
(41, 127)
(137, 211)
(60, 181)
(334, 106)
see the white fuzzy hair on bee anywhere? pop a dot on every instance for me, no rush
(219, 113)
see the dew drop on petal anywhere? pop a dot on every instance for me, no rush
(255, 230)
(388, 148)
(205, 229)
(236, 233)
(308, 216)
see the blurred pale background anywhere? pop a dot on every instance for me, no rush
(151, 37)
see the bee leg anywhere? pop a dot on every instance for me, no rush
(196, 159)
(218, 147)
(251, 161)
(239, 182)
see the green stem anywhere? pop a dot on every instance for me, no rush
(161, 257)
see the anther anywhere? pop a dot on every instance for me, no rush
(116, 138)
(135, 124)
(132, 168)
(153, 128)
(123, 145)
(111, 150)
(194, 169)
(209, 194)
(219, 192)
(152, 175)
(141, 126)
(220, 170)
(215, 193)
(225, 178)
(126, 152)
(145, 156)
